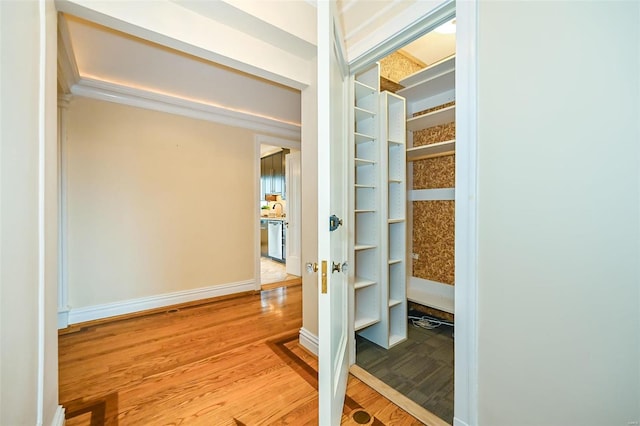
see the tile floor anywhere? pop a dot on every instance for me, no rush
(272, 271)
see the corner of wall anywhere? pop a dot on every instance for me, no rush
(308, 340)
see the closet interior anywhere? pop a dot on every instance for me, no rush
(402, 204)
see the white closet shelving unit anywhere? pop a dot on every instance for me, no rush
(378, 246)
(365, 243)
(394, 227)
(427, 89)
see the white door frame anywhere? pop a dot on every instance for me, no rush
(466, 242)
(266, 140)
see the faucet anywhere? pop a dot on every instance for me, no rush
(281, 207)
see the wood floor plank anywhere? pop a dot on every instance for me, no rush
(232, 362)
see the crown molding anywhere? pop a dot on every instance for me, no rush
(68, 74)
(413, 22)
(72, 83)
(111, 92)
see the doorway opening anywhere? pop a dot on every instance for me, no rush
(420, 366)
(279, 208)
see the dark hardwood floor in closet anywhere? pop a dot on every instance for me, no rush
(227, 362)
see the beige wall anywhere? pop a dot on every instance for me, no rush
(559, 209)
(28, 205)
(157, 203)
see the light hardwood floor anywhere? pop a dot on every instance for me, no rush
(228, 362)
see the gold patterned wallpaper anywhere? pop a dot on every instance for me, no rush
(441, 133)
(397, 66)
(433, 240)
(433, 221)
(432, 173)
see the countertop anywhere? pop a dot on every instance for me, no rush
(273, 218)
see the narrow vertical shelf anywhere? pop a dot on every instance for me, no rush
(379, 188)
(365, 175)
(392, 329)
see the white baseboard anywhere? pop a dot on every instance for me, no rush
(309, 341)
(431, 293)
(63, 318)
(58, 417)
(95, 312)
(458, 422)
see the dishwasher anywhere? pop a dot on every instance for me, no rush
(276, 240)
(264, 237)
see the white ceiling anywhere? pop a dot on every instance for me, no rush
(368, 23)
(432, 47)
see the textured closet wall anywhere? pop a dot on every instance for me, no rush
(397, 66)
(433, 221)
(394, 68)
(433, 240)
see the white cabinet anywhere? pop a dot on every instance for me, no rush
(378, 205)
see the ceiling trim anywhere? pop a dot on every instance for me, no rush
(289, 27)
(111, 92)
(276, 141)
(68, 73)
(400, 31)
(171, 25)
(365, 24)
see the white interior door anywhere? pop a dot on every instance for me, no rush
(292, 230)
(332, 200)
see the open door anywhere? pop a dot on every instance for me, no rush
(332, 209)
(292, 246)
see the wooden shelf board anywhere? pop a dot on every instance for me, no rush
(396, 181)
(394, 261)
(430, 72)
(435, 118)
(432, 150)
(363, 114)
(429, 87)
(365, 322)
(394, 142)
(365, 211)
(363, 138)
(394, 302)
(362, 283)
(359, 247)
(362, 90)
(431, 294)
(436, 194)
(395, 220)
(359, 185)
(364, 162)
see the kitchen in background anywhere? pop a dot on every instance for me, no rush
(273, 215)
